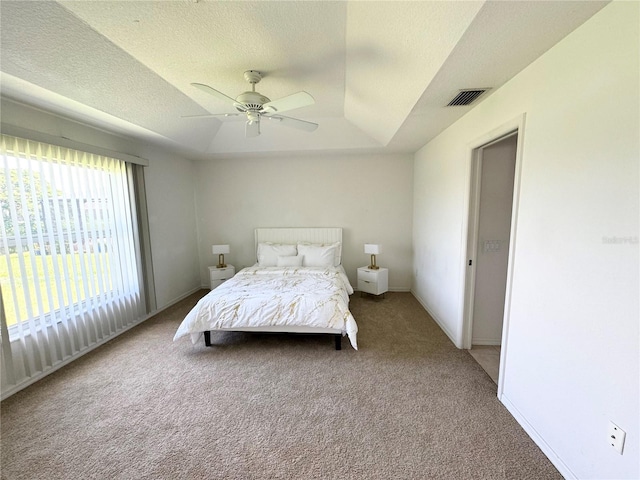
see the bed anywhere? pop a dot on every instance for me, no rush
(297, 285)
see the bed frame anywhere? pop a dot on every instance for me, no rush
(336, 336)
(293, 236)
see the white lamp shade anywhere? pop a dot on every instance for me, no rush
(217, 249)
(372, 248)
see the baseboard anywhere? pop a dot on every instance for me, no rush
(441, 324)
(562, 467)
(31, 380)
(172, 302)
(486, 341)
(399, 290)
(16, 388)
(564, 470)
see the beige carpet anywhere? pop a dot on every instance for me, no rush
(407, 405)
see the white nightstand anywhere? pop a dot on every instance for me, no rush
(375, 282)
(220, 275)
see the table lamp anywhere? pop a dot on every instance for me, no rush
(374, 250)
(220, 250)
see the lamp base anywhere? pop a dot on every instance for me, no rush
(373, 265)
(221, 263)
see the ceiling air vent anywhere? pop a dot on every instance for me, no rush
(466, 97)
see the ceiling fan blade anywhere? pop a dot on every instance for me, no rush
(209, 115)
(252, 128)
(214, 92)
(296, 100)
(294, 122)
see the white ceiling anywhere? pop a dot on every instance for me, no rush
(381, 72)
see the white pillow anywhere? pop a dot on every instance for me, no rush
(289, 261)
(268, 253)
(335, 246)
(318, 255)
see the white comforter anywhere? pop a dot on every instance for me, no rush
(276, 298)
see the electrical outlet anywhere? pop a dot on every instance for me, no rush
(615, 437)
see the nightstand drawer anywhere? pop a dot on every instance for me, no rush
(368, 287)
(225, 275)
(216, 283)
(370, 276)
(375, 282)
(217, 276)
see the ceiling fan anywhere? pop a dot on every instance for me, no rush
(256, 106)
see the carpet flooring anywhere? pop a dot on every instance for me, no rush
(407, 405)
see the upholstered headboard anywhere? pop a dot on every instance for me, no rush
(322, 235)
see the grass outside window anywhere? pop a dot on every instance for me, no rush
(71, 292)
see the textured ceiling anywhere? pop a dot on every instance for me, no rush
(381, 73)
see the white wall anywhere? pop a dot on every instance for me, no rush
(370, 197)
(170, 195)
(572, 357)
(172, 223)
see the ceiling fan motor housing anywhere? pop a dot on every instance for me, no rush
(251, 101)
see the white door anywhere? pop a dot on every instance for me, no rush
(494, 164)
(497, 170)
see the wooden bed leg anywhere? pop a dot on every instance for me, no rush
(207, 338)
(338, 339)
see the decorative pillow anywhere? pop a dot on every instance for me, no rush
(335, 246)
(268, 253)
(289, 261)
(318, 255)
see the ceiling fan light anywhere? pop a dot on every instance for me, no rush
(252, 128)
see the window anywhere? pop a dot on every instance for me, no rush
(70, 266)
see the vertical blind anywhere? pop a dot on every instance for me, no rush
(70, 259)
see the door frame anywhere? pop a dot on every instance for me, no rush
(470, 231)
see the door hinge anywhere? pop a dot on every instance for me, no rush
(470, 262)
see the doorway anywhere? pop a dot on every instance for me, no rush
(493, 175)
